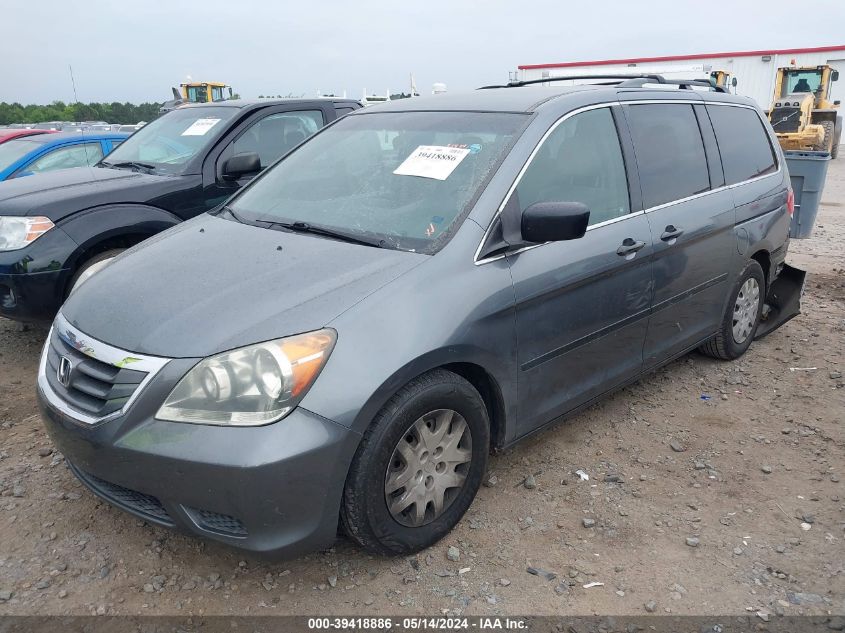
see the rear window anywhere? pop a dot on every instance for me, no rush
(670, 153)
(743, 143)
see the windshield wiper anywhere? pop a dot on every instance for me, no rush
(129, 163)
(315, 229)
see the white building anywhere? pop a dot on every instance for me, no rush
(754, 70)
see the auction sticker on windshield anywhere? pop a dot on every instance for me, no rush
(432, 161)
(200, 127)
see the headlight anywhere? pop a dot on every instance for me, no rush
(17, 232)
(252, 385)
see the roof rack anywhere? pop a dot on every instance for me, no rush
(629, 80)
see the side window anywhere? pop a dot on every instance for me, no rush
(276, 134)
(66, 157)
(580, 161)
(343, 110)
(670, 152)
(743, 143)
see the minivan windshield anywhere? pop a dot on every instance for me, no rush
(405, 179)
(168, 143)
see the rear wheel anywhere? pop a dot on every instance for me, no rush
(419, 466)
(741, 317)
(92, 267)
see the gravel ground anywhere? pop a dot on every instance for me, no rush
(715, 488)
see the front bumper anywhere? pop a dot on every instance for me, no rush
(273, 490)
(32, 297)
(33, 279)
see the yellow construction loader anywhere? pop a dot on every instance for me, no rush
(204, 91)
(802, 114)
(196, 92)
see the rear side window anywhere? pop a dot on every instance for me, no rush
(580, 161)
(78, 155)
(670, 153)
(277, 134)
(743, 143)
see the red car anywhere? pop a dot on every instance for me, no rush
(8, 135)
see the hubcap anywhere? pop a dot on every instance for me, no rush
(745, 310)
(428, 467)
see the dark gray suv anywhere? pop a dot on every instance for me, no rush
(349, 336)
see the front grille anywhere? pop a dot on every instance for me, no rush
(785, 119)
(93, 387)
(131, 500)
(220, 523)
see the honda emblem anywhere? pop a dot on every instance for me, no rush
(63, 373)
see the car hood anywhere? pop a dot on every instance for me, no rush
(60, 193)
(210, 285)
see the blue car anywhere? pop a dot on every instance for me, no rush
(47, 152)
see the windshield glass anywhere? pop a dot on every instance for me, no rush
(170, 141)
(801, 81)
(13, 150)
(406, 178)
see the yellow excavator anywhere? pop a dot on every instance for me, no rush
(802, 114)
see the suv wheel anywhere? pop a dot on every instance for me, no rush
(419, 466)
(92, 267)
(742, 315)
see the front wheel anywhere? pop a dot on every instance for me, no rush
(739, 323)
(419, 466)
(828, 140)
(92, 267)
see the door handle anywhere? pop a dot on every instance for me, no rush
(629, 247)
(671, 233)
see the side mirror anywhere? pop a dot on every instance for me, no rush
(733, 82)
(241, 165)
(554, 221)
(834, 76)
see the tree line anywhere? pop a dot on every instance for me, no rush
(124, 113)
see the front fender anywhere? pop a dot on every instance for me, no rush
(427, 362)
(94, 225)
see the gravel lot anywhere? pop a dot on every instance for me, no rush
(715, 488)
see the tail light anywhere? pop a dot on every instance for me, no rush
(790, 201)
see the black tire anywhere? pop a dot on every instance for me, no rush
(365, 516)
(827, 142)
(723, 345)
(91, 263)
(837, 139)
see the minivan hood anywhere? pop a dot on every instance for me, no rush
(210, 285)
(59, 193)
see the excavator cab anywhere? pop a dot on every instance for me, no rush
(802, 114)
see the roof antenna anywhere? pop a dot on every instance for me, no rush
(76, 100)
(73, 83)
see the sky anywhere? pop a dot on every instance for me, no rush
(122, 51)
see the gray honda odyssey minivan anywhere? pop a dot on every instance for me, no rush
(350, 335)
